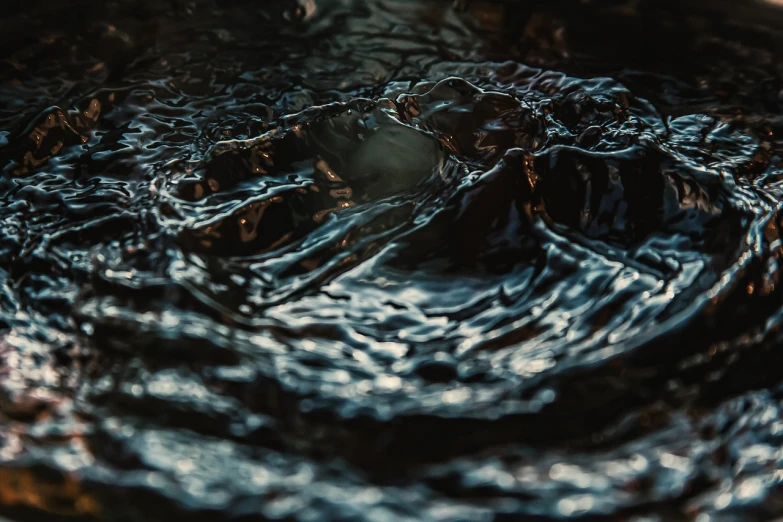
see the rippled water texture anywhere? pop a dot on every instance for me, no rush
(390, 260)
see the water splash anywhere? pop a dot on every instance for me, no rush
(389, 260)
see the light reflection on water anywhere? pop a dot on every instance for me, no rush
(389, 260)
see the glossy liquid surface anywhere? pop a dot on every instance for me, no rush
(391, 260)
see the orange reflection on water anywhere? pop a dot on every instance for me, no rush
(20, 487)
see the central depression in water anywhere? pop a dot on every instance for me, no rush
(347, 262)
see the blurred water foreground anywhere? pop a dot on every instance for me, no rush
(391, 260)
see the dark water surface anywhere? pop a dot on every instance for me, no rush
(391, 260)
